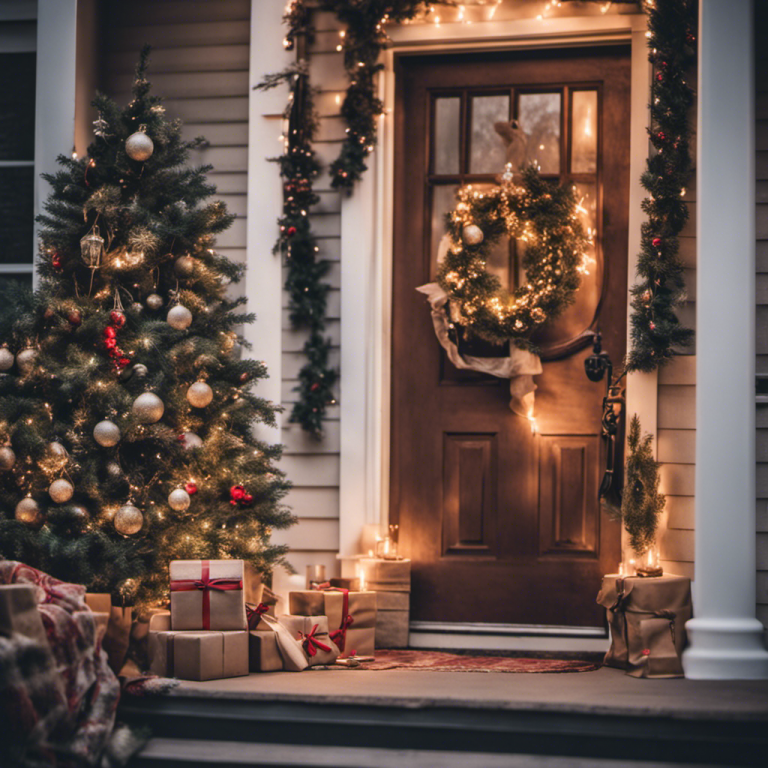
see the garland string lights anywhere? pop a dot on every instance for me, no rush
(655, 328)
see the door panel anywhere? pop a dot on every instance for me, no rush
(502, 523)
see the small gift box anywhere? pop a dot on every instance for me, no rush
(207, 655)
(207, 594)
(312, 634)
(114, 623)
(272, 646)
(351, 616)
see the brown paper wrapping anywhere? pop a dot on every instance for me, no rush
(288, 647)
(392, 629)
(263, 653)
(644, 649)
(386, 571)
(117, 629)
(227, 608)
(299, 626)
(362, 608)
(205, 655)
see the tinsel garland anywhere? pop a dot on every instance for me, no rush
(308, 294)
(655, 328)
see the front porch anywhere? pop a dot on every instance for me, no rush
(412, 718)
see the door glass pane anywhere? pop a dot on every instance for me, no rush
(584, 132)
(443, 201)
(16, 214)
(446, 135)
(487, 149)
(539, 117)
(17, 106)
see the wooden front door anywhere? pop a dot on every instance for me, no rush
(503, 523)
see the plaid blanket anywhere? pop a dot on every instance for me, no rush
(57, 704)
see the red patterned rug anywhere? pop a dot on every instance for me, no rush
(437, 661)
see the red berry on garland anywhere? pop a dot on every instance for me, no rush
(656, 242)
(191, 488)
(291, 231)
(110, 343)
(247, 498)
(117, 318)
(661, 135)
(314, 387)
(652, 326)
(75, 318)
(123, 361)
(110, 332)
(659, 77)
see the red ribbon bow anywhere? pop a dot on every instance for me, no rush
(254, 613)
(339, 636)
(206, 584)
(311, 643)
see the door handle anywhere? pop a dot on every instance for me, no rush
(597, 365)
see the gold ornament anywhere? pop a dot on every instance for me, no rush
(149, 408)
(179, 318)
(472, 234)
(138, 146)
(91, 247)
(26, 360)
(190, 440)
(56, 456)
(27, 511)
(200, 394)
(7, 458)
(128, 520)
(61, 490)
(179, 500)
(154, 301)
(106, 434)
(6, 359)
(184, 266)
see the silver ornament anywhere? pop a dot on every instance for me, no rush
(26, 360)
(61, 490)
(106, 434)
(79, 512)
(128, 520)
(136, 307)
(114, 469)
(179, 318)
(179, 500)
(7, 458)
(56, 455)
(6, 359)
(199, 394)
(140, 370)
(472, 234)
(184, 266)
(27, 511)
(138, 146)
(148, 408)
(190, 441)
(154, 301)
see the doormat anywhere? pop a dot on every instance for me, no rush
(438, 661)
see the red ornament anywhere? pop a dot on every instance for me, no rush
(180, 438)
(247, 499)
(661, 135)
(123, 361)
(652, 326)
(191, 488)
(56, 261)
(110, 343)
(236, 493)
(314, 387)
(117, 318)
(110, 332)
(656, 242)
(244, 376)
(291, 231)
(75, 318)
(659, 77)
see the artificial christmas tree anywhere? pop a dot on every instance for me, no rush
(126, 415)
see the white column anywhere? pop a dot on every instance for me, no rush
(263, 280)
(726, 638)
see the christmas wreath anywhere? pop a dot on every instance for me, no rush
(544, 217)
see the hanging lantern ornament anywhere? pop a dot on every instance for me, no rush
(128, 520)
(106, 434)
(91, 247)
(200, 394)
(179, 317)
(27, 511)
(7, 458)
(26, 360)
(154, 301)
(138, 146)
(179, 500)
(6, 359)
(148, 408)
(61, 490)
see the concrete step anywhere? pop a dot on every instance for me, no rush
(177, 753)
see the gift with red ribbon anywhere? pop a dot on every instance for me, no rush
(207, 595)
(351, 615)
(312, 633)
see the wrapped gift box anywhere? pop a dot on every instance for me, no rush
(386, 575)
(391, 579)
(207, 594)
(312, 634)
(647, 618)
(263, 653)
(282, 642)
(113, 622)
(205, 655)
(357, 636)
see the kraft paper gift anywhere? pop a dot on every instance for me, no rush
(290, 653)
(205, 655)
(207, 595)
(263, 653)
(113, 625)
(351, 616)
(644, 649)
(392, 628)
(312, 634)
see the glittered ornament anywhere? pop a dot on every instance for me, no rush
(190, 440)
(179, 500)
(106, 434)
(136, 307)
(472, 234)
(6, 359)
(200, 394)
(117, 318)
(179, 318)
(148, 408)
(128, 520)
(191, 488)
(184, 266)
(114, 469)
(154, 301)
(7, 458)
(138, 146)
(26, 360)
(27, 511)
(61, 491)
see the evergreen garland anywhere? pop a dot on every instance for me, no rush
(655, 328)
(308, 294)
(641, 502)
